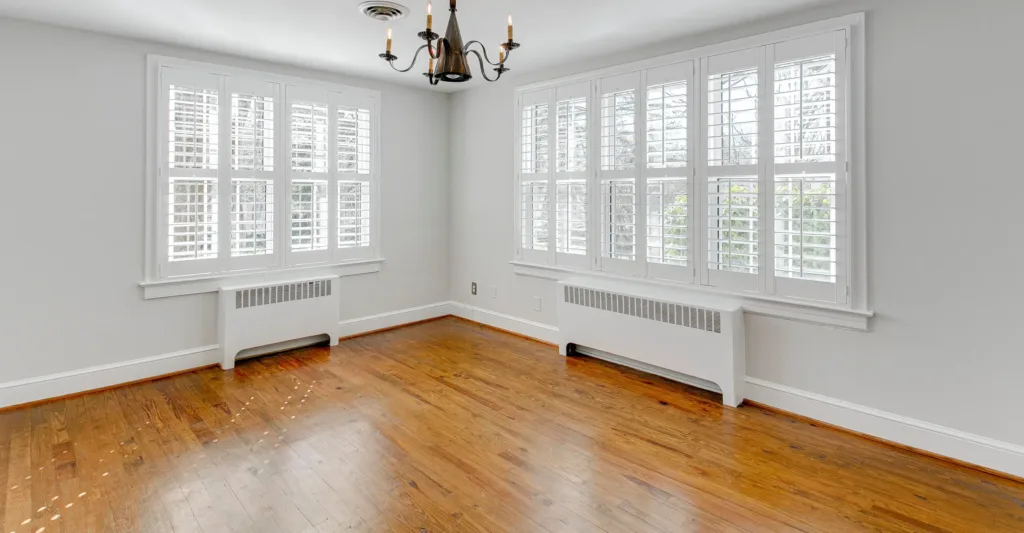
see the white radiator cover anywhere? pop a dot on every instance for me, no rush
(259, 315)
(692, 334)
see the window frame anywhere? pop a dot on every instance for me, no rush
(851, 281)
(160, 278)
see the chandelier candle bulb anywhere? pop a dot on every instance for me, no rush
(510, 28)
(501, 53)
(389, 40)
(430, 17)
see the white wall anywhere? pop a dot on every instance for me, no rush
(943, 220)
(72, 134)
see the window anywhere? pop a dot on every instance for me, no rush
(757, 136)
(224, 197)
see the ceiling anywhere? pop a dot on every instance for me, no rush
(333, 35)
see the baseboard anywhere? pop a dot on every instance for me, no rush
(901, 430)
(53, 386)
(519, 326)
(369, 324)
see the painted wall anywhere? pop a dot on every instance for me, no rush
(72, 138)
(943, 226)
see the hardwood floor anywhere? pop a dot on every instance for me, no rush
(448, 426)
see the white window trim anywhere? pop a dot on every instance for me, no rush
(155, 286)
(857, 311)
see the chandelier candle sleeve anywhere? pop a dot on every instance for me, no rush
(389, 40)
(430, 18)
(510, 27)
(501, 53)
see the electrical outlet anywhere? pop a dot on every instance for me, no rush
(536, 303)
(494, 291)
(472, 289)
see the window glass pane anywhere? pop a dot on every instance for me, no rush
(192, 219)
(194, 123)
(252, 217)
(666, 125)
(309, 215)
(667, 220)
(252, 132)
(309, 137)
(732, 118)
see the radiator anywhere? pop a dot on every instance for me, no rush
(691, 334)
(260, 315)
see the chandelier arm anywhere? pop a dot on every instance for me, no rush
(465, 49)
(414, 57)
(483, 71)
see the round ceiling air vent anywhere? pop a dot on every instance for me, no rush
(383, 11)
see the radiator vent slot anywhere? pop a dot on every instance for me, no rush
(645, 308)
(276, 294)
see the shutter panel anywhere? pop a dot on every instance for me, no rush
(667, 171)
(310, 175)
(253, 153)
(571, 211)
(356, 173)
(535, 176)
(621, 243)
(191, 166)
(733, 174)
(808, 196)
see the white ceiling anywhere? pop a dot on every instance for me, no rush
(333, 35)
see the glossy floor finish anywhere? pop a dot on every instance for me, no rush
(448, 426)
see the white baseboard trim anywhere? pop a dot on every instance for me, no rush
(528, 328)
(98, 377)
(933, 438)
(366, 324)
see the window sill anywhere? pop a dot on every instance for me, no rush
(213, 282)
(813, 313)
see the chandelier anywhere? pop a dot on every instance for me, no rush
(451, 55)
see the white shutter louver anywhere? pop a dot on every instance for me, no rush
(193, 107)
(309, 215)
(571, 209)
(733, 174)
(618, 176)
(807, 196)
(354, 167)
(252, 217)
(253, 126)
(667, 171)
(534, 176)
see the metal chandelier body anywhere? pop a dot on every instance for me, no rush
(451, 54)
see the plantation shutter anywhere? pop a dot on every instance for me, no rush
(357, 173)
(254, 115)
(310, 175)
(667, 171)
(733, 140)
(622, 246)
(571, 160)
(808, 174)
(535, 176)
(191, 109)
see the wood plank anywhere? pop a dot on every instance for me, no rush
(446, 426)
